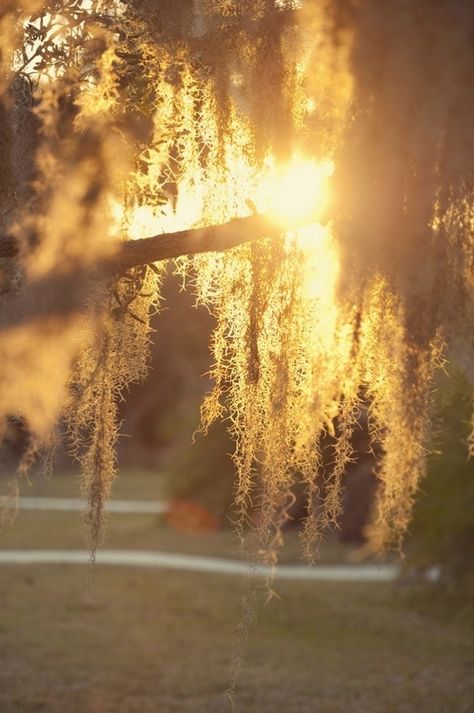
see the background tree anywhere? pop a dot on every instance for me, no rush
(157, 117)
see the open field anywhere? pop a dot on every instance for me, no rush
(65, 530)
(142, 642)
(124, 640)
(130, 484)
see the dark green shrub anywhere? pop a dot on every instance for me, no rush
(442, 531)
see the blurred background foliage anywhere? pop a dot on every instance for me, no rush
(441, 534)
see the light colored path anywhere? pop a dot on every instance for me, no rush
(195, 563)
(77, 505)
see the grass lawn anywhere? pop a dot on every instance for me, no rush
(65, 530)
(160, 642)
(148, 641)
(41, 529)
(130, 484)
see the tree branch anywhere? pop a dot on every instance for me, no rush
(62, 295)
(214, 238)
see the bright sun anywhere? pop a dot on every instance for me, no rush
(293, 195)
(299, 191)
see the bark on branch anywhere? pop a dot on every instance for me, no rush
(214, 238)
(64, 294)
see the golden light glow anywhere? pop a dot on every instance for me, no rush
(299, 191)
(144, 221)
(310, 105)
(294, 195)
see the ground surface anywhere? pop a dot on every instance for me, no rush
(65, 530)
(139, 641)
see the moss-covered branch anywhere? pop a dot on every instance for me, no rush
(64, 294)
(213, 238)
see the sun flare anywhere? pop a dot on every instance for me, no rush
(299, 192)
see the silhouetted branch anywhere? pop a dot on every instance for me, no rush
(214, 238)
(65, 294)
